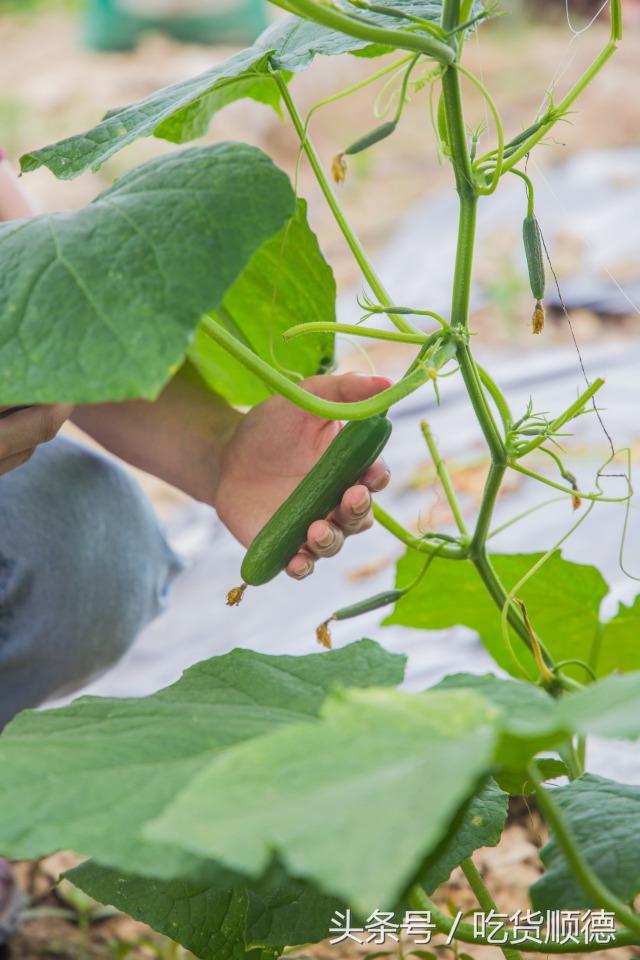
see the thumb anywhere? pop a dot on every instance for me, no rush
(346, 387)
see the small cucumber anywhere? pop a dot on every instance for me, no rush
(366, 606)
(323, 633)
(374, 136)
(533, 253)
(348, 456)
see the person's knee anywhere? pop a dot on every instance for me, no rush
(83, 567)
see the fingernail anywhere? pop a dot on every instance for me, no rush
(327, 537)
(304, 570)
(362, 504)
(381, 482)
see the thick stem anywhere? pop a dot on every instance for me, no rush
(466, 239)
(485, 900)
(329, 409)
(459, 319)
(302, 329)
(485, 515)
(330, 16)
(590, 883)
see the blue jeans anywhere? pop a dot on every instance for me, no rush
(84, 566)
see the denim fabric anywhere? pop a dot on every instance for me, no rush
(84, 565)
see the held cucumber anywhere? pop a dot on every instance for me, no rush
(345, 460)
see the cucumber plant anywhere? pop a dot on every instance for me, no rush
(234, 811)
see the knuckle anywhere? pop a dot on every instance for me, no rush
(48, 424)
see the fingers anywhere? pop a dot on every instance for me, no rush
(347, 387)
(26, 428)
(354, 513)
(300, 566)
(377, 476)
(325, 538)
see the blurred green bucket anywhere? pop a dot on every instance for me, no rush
(119, 24)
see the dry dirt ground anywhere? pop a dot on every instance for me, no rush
(50, 88)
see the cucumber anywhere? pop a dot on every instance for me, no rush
(342, 464)
(533, 253)
(374, 136)
(366, 606)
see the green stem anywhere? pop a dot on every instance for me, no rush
(445, 479)
(567, 753)
(485, 900)
(599, 497)
(346, 93)
(358, 331)
(427, 25)
(590, 883)
(524, 515)
(329, 409)
(465, 933)
(485, 514)
(416, 543)
(500, 597)
(499, 129)
(567, 102)
(530, 193)
(330, 16)
(497, 396)
(352, 240)
(467, 193)
(565, 417)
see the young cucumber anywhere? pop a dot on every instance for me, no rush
(533, 253)
(344, 461)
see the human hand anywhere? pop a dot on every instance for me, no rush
(22, 429)
(273, 448)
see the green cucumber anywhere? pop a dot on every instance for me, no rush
(366, 606)
(345, 460)
(323, 634)
(374, 136)
(533, 253)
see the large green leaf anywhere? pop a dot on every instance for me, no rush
(562, 598)
(604, 819)
(478, 824)
(321, 795)
(220, 917)
(618, 645)
(101, 303)
(183, 110)
(180, 107)
(609, 708)
(530, 720)
(110, 765)
(288, 281)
